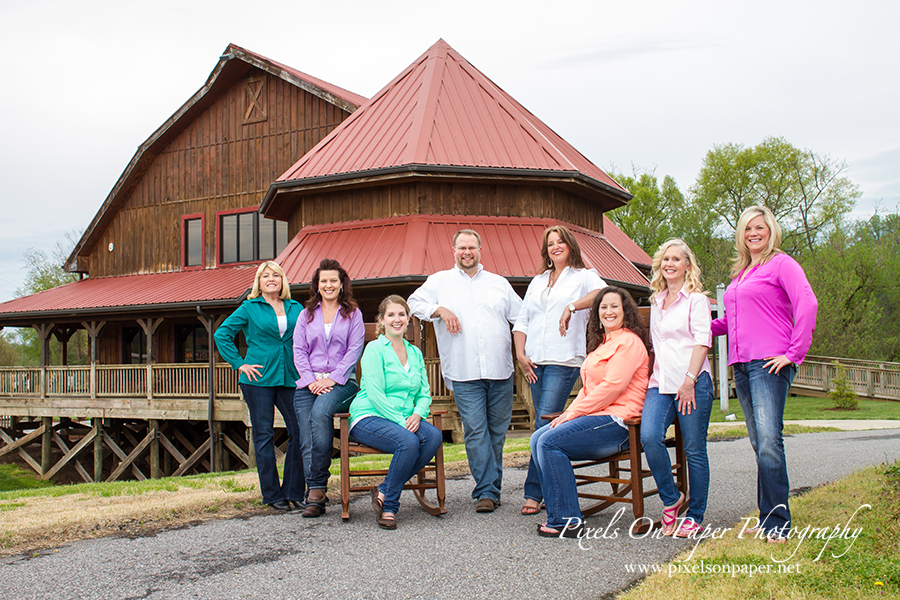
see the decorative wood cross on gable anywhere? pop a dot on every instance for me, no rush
(255, 100)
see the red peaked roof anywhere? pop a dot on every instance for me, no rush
(154, 290)
(625, 244)
(442, 111)
(413, 247)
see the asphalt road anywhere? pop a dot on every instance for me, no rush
(462, 555)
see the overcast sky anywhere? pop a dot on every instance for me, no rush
(654, 84)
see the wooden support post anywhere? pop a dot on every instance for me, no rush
(219, 454)
(251, 448)
(149, 326)
(63, 335)
(46, 440)
(154, 449)
(93, 328)
(98, 448)
(44, 331)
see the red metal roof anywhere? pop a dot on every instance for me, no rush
(154, 289)
(625, 244)
(419, 245)
(443, 111)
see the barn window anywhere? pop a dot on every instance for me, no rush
(255, 100)
(192, 240)
(249, 236)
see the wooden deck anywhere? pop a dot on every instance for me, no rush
(153, 420)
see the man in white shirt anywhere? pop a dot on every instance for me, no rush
(472, 310)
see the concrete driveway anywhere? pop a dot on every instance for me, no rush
(462, 555)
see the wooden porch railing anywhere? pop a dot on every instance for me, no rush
(869, 379)
(118, 381)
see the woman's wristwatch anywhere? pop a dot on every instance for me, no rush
(692, 376)
(572, 307)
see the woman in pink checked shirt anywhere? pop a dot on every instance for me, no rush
(681, 384)
(770, 314)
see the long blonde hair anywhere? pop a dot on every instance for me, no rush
(285, 285)
(692, 280)
(742, 258)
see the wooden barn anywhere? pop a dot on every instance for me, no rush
(380, 185)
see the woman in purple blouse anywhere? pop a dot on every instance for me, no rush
(328, 341)
(770, 314)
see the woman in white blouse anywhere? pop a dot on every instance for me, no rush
(681, 383)
(550, 333)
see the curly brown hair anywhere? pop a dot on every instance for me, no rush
(345, 297)
(631, 319)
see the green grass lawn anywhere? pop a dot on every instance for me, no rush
(866, 503)
(13, 477)
(800, 408)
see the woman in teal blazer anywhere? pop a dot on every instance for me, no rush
(388, 412)
(268, 379)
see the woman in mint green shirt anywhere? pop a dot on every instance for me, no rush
(388, 412)
(268, 379)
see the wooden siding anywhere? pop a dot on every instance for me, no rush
(445, 198)
(217, 162)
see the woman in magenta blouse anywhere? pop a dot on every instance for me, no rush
(328, 341)
(770, 315)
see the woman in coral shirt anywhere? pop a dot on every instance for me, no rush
(615, 383)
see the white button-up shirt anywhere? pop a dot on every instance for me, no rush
(543, 343)
(485, 306)
(675, 332)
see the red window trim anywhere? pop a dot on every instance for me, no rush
(219, 215)
(184, 219)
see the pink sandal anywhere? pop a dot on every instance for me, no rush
(670, 516)
(689, 528)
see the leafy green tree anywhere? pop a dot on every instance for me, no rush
(43, 273)
(659, 212)
(10, 351)
(807, 191)
(648, 218)
(854, 274)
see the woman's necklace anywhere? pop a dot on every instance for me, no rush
(552, 280)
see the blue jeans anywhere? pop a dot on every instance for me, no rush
(660, 411)
(261, 402)
(762, 396)
(485, 407)
(555, 448)
(316, 416)
(549, 394)
(411, 451)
